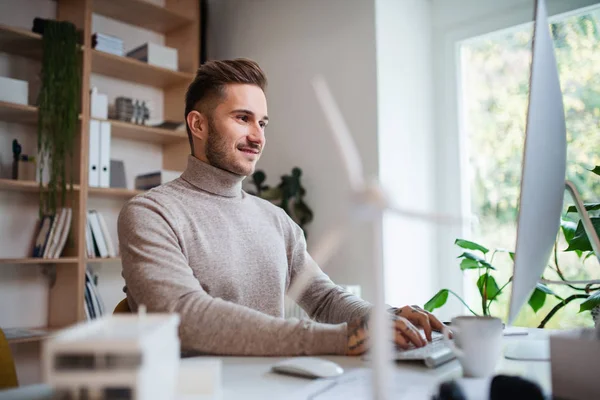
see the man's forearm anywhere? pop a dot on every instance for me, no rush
(215, 326)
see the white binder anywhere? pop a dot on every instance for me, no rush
(104, 154)
(94, 154)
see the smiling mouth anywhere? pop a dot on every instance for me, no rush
(249, 151)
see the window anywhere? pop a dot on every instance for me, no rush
(495, 85)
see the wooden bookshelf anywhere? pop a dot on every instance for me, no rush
(142, 14)
(29, 337)
(179, 22)
(25, 261)
(143, 133)
(129, 69)
(111, 260)
(20, 42)
(23, 186)
(18, 113)
(113, 192)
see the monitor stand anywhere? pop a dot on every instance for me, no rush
(528, 350)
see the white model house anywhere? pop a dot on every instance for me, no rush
(123, 356)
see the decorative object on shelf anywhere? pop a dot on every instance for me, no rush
(16, 148)
(117, 174)
(58, 111)
(98, 104)
(13, 90)
(154, 179)
(170, 125)
(155, 54)
(108, 44)
(289, 195)
(130, 110)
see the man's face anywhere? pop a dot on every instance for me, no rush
(236, 129)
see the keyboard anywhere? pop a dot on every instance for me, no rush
(434, 354)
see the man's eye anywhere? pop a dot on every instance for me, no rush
(243, 118)
(262, 124)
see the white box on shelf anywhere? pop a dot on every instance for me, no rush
(13, 90)
(99, 104)
(155, 54)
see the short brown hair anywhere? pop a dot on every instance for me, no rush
(211, 78)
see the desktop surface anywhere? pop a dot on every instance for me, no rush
(251, 378)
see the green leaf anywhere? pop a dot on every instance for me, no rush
(590, 302)
(547, 290)
(580, 241)
(568, 228)
(596, 170)
(492, 288)
(437, 301)
(589, 207)
(466, 244)
(470, 264)
(474, 257)
(537, 299)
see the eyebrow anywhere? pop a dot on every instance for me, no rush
(248, 112)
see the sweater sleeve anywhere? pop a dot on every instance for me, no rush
(157, 274)
(323, 300)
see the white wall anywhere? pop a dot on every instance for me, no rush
(293, 41)
(23, 289)
(406, 145)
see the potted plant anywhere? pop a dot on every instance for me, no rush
(58, 105)
(475, 257)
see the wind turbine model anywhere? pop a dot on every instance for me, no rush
(369, 202)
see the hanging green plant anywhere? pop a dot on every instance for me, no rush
(58, 105)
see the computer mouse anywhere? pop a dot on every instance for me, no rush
(308, 367)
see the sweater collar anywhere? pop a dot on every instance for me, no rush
(212, 179)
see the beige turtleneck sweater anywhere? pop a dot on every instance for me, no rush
(223, 260)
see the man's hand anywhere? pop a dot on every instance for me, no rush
(420, 318)
(405, 334)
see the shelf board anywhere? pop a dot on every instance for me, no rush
(141, 13)
(129, 69)
(26, 335)
(20, 42)
(23, 114)
(145, 133)
(21, 261)
(113, 192)
(24, 186)
(103, 260)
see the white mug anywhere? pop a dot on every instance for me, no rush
(477, 344)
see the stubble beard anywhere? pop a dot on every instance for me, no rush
(218, 155)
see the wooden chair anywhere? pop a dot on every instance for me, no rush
(122, 307)
(8, 373)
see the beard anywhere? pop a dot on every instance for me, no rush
(218, 153)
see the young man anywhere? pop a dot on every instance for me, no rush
(222, 259)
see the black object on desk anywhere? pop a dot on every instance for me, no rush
(16, 148)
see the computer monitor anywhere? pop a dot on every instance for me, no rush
(543, 169)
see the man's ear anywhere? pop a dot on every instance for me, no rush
(198, 124)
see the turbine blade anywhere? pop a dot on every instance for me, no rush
(341, 134)
(429, 217)
(315, 261)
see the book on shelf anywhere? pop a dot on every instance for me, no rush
(99, 243)
(154, 179)
(93, 303)
(24, 333)
(52, 234)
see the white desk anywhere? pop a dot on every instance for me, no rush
(250, 378)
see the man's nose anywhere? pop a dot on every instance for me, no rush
(257, 135)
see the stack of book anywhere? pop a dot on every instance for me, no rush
(99, 243)
(107, 44)
(93, 304)
(154, 179)
(52, 234)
